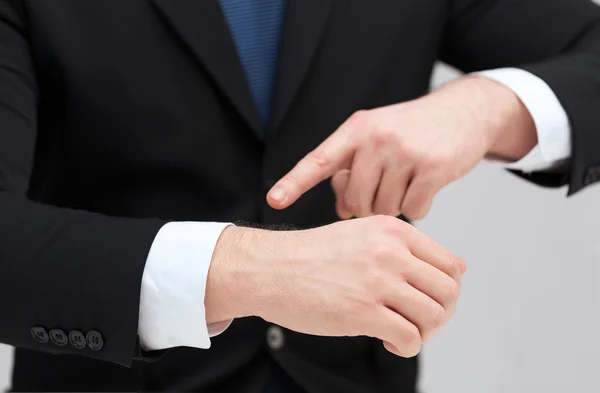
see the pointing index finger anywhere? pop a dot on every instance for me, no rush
(334, 154)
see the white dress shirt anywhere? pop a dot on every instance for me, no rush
(174, 281)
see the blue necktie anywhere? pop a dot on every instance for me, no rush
(255, 26)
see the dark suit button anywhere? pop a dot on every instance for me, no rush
(94, 340)
(58, 337)
(40, 334)
(592, 175)
(77, 339)
(275, 337)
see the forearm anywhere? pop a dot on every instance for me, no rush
(562, 48)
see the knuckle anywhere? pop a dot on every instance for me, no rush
(318, 158)
(409, 268)
(454, 268)
(453, 292)
(383, 137)
(292, 178)
(407, 151)
(460, 265)
(389, 224)
(456, 265)
(359, 117)
(381, 250)
(438, 317)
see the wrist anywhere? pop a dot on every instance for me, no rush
(512, 129)
(497, 113)
(221, 297)
(241, 277)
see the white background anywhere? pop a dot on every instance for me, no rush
(528, 319)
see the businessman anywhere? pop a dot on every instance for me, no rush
(135, 135)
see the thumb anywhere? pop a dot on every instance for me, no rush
(391, 348)
(339, 183)
(333, 154)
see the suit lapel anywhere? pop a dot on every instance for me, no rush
(202, 28)
(303, 27)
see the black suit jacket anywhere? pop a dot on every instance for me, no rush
(119, 116)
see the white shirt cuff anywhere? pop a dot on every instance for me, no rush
(172, 310)
(549, 116)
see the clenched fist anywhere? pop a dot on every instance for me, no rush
(376, 276)
(394, 160)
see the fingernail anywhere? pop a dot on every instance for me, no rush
(278, 195)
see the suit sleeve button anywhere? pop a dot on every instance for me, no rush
(58, 337)
(94, 340)
(77, 339)
(39, 334)
(592, 175)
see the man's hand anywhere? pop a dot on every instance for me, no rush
(376, 276)
(394, 160)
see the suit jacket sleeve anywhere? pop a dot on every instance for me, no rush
(556, 40)
(59, 268)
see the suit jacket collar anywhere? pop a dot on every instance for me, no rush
(303, 28)
(201, 26)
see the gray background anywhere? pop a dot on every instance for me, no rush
(528, 319)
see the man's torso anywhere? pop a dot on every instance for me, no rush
(144, 112)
